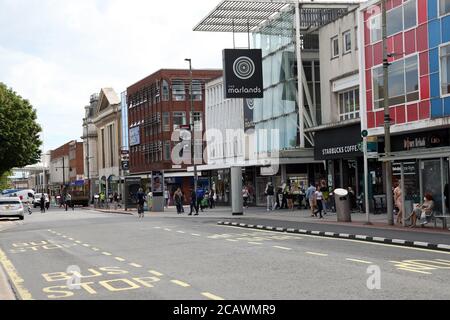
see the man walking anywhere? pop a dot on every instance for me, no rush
(270, 192)
(141, 201)
(311, 196)
(42, 203)
(193, 202)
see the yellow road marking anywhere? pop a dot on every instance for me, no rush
(211, 296)
(346, 240)
(135, 265)
(282, 248)
(14, 276)
(359, 261)
(180, 283)
(156, 273)
(107, 253)
(412, 270)
(317, 254)
(119, 259)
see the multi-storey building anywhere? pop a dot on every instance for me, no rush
(418, 39)
(158, 106)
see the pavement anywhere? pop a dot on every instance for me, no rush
(301, 220)
(90, 255)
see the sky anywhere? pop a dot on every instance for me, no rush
(56, 53)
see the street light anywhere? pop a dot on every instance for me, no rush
(192, 127)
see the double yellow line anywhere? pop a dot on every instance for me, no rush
(24, 294)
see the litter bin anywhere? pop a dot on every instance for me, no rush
(342, 200)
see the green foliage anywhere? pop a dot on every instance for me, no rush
(5, 183)
(19, 132)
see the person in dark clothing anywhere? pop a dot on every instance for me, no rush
(193, 202)
(212, 203)
(178, 199)
(200, 196)
(141, 200)
(447, 196)
(42, 203)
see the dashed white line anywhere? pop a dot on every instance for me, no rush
(167, 229)
(120, 259)
(211, 296)
(359, 261)
(282, 248)
(135, 265)
(180, 283)
(412, 270)
(182, 232)
(317, 254)
(106, 253)
(256, 243)
(232, 240)
(196, 235)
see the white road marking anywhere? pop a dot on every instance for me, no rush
(211, 296)
(412, 270)
(135, 265)
(317, 254)
(359, 261)
(156, 273)
(256, 243)
(196, 234)
(231, 240)
(180, 283)
(181, 232)
(106, 253)
(120, 259)
(282, 248)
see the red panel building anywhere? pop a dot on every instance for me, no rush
(157, 106)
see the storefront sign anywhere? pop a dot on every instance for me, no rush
(409, 168)
(249, 105)
(338, 143)
(243, 76)
(421, 140)
(135, 136)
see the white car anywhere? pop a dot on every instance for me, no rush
(37, 199)
(11, 207)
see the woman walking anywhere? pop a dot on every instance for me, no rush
(398, 202)
(319, 198)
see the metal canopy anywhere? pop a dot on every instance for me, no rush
(242, 16)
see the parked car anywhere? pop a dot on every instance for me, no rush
(37, 199)
(11, 207)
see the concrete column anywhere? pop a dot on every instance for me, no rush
(236, 191)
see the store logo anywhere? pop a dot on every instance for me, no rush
(435, 141)
(244, 68)
(250, 104)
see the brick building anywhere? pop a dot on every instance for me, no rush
(157, 106)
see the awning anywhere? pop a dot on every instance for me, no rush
(241, 16)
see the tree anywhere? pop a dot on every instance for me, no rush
(5, 183)
(19, 132)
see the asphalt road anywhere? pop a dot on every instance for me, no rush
(89, 255)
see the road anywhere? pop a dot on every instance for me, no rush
(192, 258)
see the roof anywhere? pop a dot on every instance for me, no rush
(241, 16)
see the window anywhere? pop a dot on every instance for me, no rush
(444, 7)
(403, 78)
(445, 69)
(198, 123)
(349, 104)
(167, 151)
(356, 38)
(401, 18)
(197, 90)
(347, 37)
(179, 119)
(103, 148)
(334, 47)
(178, 90)
(166, 121)
(375, 28)
(165, 91)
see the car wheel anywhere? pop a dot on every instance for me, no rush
(21, 217)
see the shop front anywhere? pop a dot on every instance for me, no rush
(421, 165)
(340, 149)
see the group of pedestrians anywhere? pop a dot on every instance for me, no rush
(283, 197)
(199, 200)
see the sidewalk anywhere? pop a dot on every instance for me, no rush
(379, 231)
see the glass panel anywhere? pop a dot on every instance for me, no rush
(431, 180)
(291, 130)
(396, 83)
(410, 14)
(378, 87)
(444, 7)
(412, 78)
(445, 69)
(395, 21)
(375, 29)
(347, 42)
(178, 90)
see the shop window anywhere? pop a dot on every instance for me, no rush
(402, 18)
(445, 69)
(347, 37)
(334, 47)
(349, 104)
(444, 7)
(178, 90)
(403, 78)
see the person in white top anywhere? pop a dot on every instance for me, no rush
(319, 197)
(166, 197)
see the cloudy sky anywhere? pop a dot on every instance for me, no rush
(56, 53)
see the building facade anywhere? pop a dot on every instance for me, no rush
(107, 120)
(159, 107)
(90, 139)
(418, 34)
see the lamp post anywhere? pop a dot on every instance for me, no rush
(192, 126)
(387, 118)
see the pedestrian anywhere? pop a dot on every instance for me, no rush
(166, 197)
(325, 193)
(47, 204)
(319, 202)
(423, 212)
(120, 200)
(102, 199)
(140, 202)
(116, 200)
(290, 198)
(270, 193)
(68, 202)
(200, 197)
(311, 198)
(194, 202)
(398, 202)
(245, 196)
(42, 203)
(177, 198)
(212, 199)
(284, 204)
(150, 201)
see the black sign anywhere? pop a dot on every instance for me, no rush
(243, 76)
(125, 165)
(249, 105)
(421, 140)
(338, 143)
